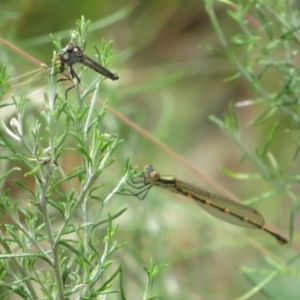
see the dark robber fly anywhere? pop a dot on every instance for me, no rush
(74, 54)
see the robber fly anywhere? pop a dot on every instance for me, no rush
(74, 54)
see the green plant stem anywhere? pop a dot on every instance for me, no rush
(54, 248)
(20, 268)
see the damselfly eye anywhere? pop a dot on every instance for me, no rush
(148, 169)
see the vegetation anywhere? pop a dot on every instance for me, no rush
(66, 234)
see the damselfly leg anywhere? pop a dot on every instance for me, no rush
(140, 188)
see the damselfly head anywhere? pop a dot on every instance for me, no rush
(148, 169)
(151, 176)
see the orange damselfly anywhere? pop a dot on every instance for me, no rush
(218, 206)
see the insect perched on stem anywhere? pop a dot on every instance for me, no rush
(218, 206)
(74, 54)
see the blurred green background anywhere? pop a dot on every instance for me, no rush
(170, 83)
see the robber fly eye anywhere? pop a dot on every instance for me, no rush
(69, 48)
